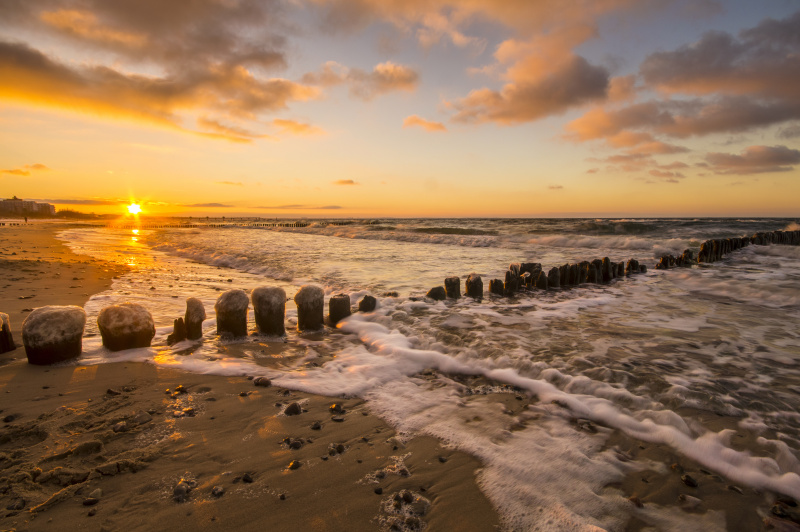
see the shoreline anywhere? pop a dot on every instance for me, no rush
(105, 446)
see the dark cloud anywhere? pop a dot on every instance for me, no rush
(755, 160)
(574, 83)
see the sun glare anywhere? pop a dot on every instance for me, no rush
(134, 208)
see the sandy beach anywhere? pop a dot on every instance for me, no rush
(106, 447)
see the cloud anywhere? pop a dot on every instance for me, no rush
(292, 127)
(790, 132)
(545, 78)
(232, 133)
(298, 207)
(229, 183)
(556, 187)
(384, 78)
(206, 205)
(755, 160)
(28, 76)
(762, 61)
(25, 170)
(427, 125)
(90, 201)
(345, 182)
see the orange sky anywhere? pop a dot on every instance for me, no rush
(346, 108)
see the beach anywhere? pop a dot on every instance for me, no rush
(104, 446)
(629, 405)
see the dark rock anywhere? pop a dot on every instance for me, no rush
(378, 491)
(452, 286)
(178, 333)
(90, 501)
(262, 381)
(217, 491)
(336, 408)
(6, 340)
(316, 425)
(193, 319)
(496, 287)
(247, 478)
(689, 481)
(553, 279)
(295, 464)
(293, 410)
(310, 301)
(231, 308)
(474, 286)
(338, 308)
(54, 334)
(181, 491)
(437, 293)
(337, 419)
(367, 304)
(269, 307)
(541, 281)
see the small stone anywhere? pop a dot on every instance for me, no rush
(181, 491)
(181, 389)
(120, 427)
(244, 394)
(689, 481)
(189, 411)
(437, 293)
(367, 304)
(247, 478)
(295, 444)
(316, 425)
(337, 419)
(295, 464)
(90, 501)
(112, 392)
(378, 491)
(737, 489)
(282, 496)
(336, 408)
(340, 448)
(97, 493)
(92, 512)
(443, 459)
(217, 491)
(262, 381)
(293, 410)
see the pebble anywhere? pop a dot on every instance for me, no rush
(295, 464)
(337, 419)
(316, 425)
(217, 491)
(689, 481)
(181, 389)
(293, 410)
(443, 459)
(120, 427)
(262, 381)
(92, 512)
(336, 408)
(181, 492)
(340, 448)
(244, 394)
(112, 392)
(97, 493)
(90, 501)
(282, 496)
(247, 478)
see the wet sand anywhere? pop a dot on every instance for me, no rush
(106, 446)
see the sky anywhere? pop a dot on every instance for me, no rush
(403, 108)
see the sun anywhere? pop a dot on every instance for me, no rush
(134, 208)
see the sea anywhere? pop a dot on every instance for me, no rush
(702, 361)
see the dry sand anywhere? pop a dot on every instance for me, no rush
(104, 447)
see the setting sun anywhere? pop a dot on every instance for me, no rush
(134, 208)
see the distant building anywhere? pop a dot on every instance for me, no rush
(24, 207)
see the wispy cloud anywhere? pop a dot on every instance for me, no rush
(206, 205)
(229, 183)
(384, 78)
(556, 187)
(345, 182)
(427, 125)
(293, 127)
(25, 170)
(85, 201)
(299, 207)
